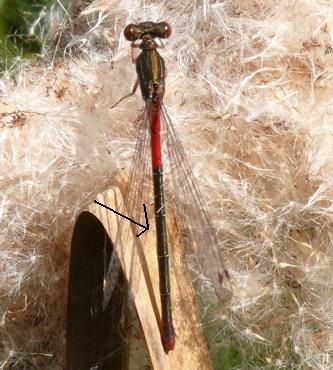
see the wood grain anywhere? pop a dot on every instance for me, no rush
(139, 264)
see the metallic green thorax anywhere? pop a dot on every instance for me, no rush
(150, 68)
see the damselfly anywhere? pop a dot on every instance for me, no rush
(178, 191)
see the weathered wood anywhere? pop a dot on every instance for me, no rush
(139, 264)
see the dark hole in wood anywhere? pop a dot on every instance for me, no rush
(96, 338)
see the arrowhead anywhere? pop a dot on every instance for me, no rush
(147, 223)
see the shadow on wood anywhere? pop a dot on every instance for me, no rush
(95, 338)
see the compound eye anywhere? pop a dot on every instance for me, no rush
(167, 29)
(129, 32)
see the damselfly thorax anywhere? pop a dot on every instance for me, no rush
(150, 68)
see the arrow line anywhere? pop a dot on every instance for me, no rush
(120, 214)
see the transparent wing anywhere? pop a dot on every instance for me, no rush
(182, 198)
(139, 186)
(138, 191)
(185, 198)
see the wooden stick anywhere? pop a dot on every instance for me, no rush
(138, 261)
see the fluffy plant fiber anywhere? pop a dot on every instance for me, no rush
(249, 89)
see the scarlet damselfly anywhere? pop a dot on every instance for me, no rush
(180, 192)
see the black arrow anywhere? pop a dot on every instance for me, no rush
(146, 217)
